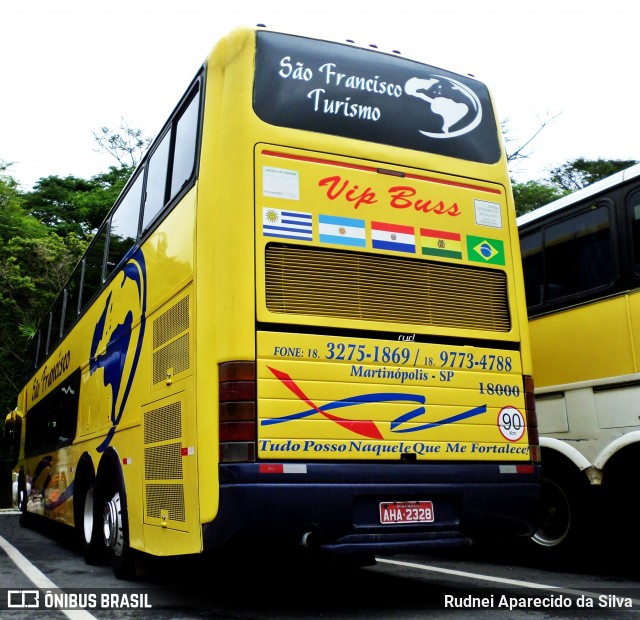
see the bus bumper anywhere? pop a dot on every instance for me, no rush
(336, 507)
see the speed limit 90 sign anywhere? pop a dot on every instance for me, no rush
(511, 423)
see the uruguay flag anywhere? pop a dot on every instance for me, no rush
(287, 224)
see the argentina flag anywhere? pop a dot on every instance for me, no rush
(342, 230)
(287, 224)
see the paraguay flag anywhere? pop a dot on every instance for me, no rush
(385, 236)
(342, 230)
(287, 224)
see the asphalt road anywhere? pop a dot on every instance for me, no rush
(40, 566)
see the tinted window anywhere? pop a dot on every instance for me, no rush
(578, 253)
(12, 432)
(185, 146)
(31, 359)
(93, 266)
(532, 264)
(72, 292)
(51, 423)
(156, 181)
(42, 340)
(124, 226)
(55, 330)
(634, 207)
(570, 257)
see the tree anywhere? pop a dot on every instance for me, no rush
(565, 179)
(126, 144)
(12, 215)
(580, 172)
(71, 205)
(34, 264)
(519, 152)
(533, 194)
(43, 234)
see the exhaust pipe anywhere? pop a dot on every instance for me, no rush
(309, 540)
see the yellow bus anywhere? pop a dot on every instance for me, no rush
(581, 258)
(303, 321)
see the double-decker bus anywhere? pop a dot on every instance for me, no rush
(303, 321)
(581, 257)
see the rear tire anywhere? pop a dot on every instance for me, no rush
(115, 532)
(556, 515)
(22, 498)
(88, 523)
(564, 516)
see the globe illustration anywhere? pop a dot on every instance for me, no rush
(114, 350)
(457, 106)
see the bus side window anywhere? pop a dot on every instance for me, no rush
(55, 327)
(52, 422)
(93, 266)
(634, 208)
(31, 359)
(578, 253)
(12, 433)
(123, 230)
(156, 181)
(184, 153)
(35, 433)
(532, 264)
(72, 292)
(42, 341)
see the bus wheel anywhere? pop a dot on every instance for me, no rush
(93, 549)
(556, 514)
(22, 498)
(115, 529)
(562, 515)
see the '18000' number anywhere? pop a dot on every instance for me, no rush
(498, 389)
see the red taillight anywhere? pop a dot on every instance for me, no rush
(532, 418)
(237, 411)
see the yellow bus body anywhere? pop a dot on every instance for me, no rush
(581, 256)
(393, 331)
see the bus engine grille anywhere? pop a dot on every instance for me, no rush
(373, 287)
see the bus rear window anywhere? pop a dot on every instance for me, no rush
(356, 93)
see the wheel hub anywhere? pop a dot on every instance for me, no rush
(112, 524)
(87, 521)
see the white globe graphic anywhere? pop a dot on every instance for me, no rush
(457, 105)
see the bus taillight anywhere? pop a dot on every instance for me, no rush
(532, 418)
(237, 395)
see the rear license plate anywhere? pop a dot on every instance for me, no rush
(406, 512)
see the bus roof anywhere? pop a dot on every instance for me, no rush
(581, 194)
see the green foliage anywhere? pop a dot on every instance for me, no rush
(581, 172)
(565, 179)
(43, 234)
(75, 206)
(533, 194)
(12, 216)
(32, 272)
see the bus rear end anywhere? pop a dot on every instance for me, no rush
(382, 398)
(394, 410)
